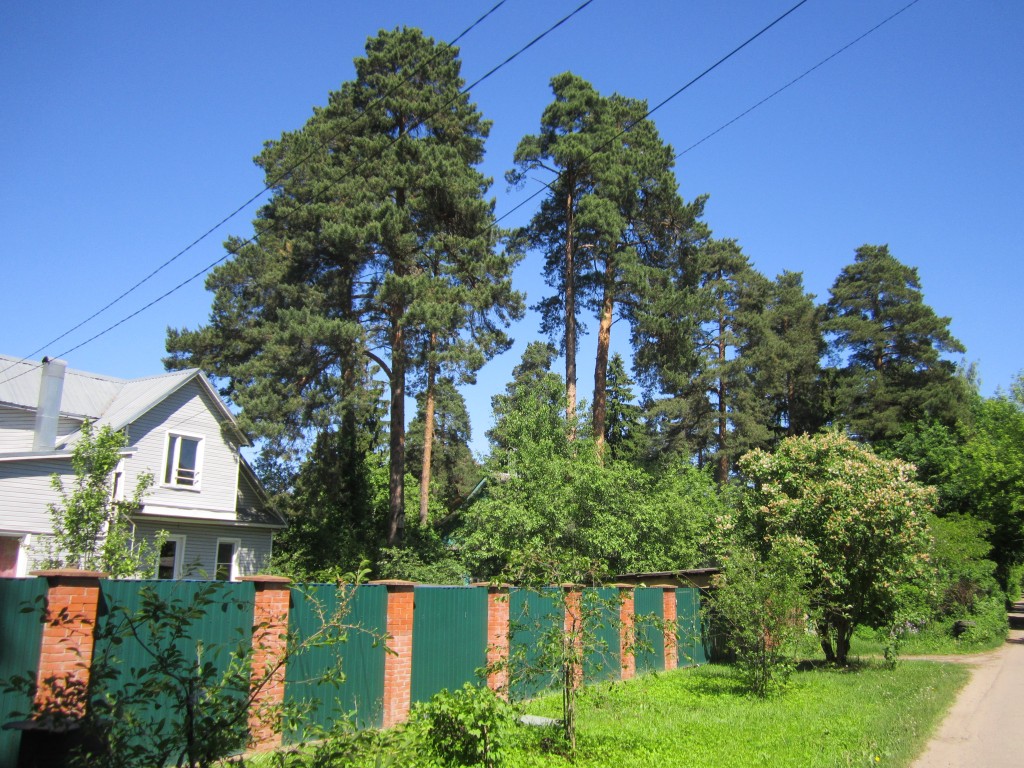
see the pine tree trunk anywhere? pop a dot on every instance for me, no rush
(604, 339)
(722, 471)
(570, 317)
(396, 465)
(428, 443)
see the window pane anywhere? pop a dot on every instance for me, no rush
(172, 450)
(168, 555)
(187, 461)
(225, 556)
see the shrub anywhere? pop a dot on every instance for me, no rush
(466, 727)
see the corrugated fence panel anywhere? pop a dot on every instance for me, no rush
(602, 660)
(221, 625)
(531, 618)
(449, 641)
(310, 680)
(691, 629)
(650, 652)
(21, 632)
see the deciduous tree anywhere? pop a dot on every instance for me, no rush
(861, 521)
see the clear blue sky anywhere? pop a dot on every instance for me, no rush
(127, 131)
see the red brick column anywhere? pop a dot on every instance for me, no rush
(398, 663)
(627, 611)
(497, 637)
(671, 626)
(269, 658)
(65, 656)
(572, 627)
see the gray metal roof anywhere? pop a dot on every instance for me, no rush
(104, 400)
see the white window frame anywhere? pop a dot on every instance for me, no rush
(197, 485)
(237, 544)
(117, 482)
(179, 556)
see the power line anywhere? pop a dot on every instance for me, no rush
(270, 185)
(795, 80)
(254, 238)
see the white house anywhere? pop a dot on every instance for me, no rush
(204, 494)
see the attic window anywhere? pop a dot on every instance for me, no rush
(184, 461)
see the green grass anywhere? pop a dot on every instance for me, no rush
(869, 715)
(865, 716)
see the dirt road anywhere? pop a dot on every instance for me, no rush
(982, 729)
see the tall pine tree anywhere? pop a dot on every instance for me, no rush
(890, 347)
(376, 239)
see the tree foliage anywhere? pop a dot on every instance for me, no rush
(612, 210)
(862, 522)
(377, 245)
(890, 344)
(555, 497)
(92, 526)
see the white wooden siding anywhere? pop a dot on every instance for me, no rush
(16, 430)
(25, 493)
(187, 411)
(200, 560)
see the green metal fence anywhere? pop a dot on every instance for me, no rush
(650, 640)
(603, 654)
(532, 616)
(21, 632)
(691, 637)
(212, 626)
(449, 641)
(311, 682)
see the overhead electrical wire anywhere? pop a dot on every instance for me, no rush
(625, 130)
(255, 237)
(797, 79)
(269, 186)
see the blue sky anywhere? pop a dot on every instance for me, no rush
(127, 131)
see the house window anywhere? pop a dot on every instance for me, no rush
(227, 560)
(184, 460)
(172, 554)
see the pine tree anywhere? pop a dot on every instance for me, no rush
(694, 347)
(378, 240)
(623, 427)
(892, 344)
(784, 351)
(613, 207)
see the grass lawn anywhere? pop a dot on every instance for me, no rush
(701, 717)
(869, 715)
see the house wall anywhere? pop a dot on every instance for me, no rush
(16, 427)
(201, 545)
(25, 492)
(188, 411)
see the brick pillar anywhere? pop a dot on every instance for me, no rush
(627, 610)
(65, 656)
(572, 627)
(671, 626)
(497, 637)
(398, 663)
(269, 658)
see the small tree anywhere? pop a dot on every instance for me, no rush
(861, 521)
(91, 528)
(762, 605)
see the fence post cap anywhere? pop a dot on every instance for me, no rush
(68, 573)
(624, 586)
(393, 583)
(267, 579)
(493, 586)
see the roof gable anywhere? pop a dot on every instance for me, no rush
(106, 400)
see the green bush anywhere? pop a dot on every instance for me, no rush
(466, 727)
